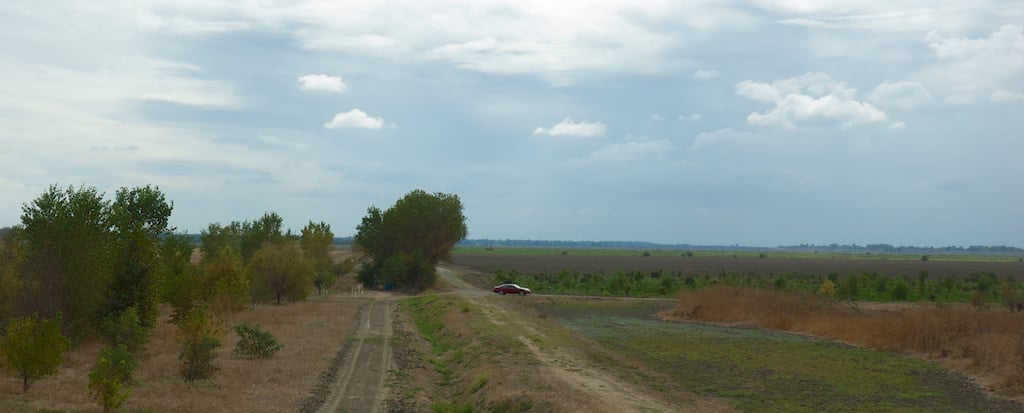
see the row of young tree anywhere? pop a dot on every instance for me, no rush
(79, 266)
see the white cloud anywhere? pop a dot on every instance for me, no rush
(897, 125)
(705, 74)
(633, 149)
(979, 66)
(808, 98)
(324, 83)
(354, 118)
(569, 128)
(900, 95)
(1002, 96)
(691, 117)
(656, 117)
(719, 137)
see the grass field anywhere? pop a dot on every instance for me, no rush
(759, 370)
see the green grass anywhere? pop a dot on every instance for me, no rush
(760, 370)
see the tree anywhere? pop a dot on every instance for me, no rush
(199, 338)
(67, 264)
(280, 271)
(420, 230)
(316, 240)
(110, 380)
(12, 257)
(139, 216)
(257, 233)
(215, 238)
(33, 348)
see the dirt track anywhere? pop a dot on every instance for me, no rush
(360, 386)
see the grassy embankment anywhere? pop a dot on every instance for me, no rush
(758, 370)
(467, 354)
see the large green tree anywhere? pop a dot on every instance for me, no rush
(316, 241)
(406, 241)
(68, 262)
(279, 271)
(139, 217)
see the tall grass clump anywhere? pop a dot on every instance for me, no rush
(986, 342)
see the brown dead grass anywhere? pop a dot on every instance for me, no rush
(988, 345)
(311, 331)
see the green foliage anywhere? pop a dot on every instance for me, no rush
(67, 267)
(12, 257)
(90, 259)
(280, 272)
(125, 329)
(216, 239)
(33, 348)
(224, 283)
(199, 338)
(139, 216)
(110, 380)
(256, 234)
(900, 289)
(316, 241)
(849, 288)
(254, 343)
(420, 230)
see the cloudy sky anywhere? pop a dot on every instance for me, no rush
(704, 122)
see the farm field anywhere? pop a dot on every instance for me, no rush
(526, 261)
(942, 279)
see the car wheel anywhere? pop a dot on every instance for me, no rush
(522, 293)
(501, 292)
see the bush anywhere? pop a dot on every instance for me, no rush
(125, 328)
(33, 348)
(900, 290)
(110, 380)
(254, 343)
(827, 288)
(199, 341)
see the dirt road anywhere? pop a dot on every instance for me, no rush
(607, 393)
(360, 386)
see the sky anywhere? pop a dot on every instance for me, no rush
(757, 122)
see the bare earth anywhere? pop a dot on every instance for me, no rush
(360, 386)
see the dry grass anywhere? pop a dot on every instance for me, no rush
(988, 345)
(312, 332)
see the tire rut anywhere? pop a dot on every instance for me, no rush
(360, 386)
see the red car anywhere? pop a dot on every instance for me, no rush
(510, 288)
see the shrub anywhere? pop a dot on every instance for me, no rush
(199, 341)
(33, 348)
(110, 379)
(900, 290)
(125, 328)
(828, 288)
(254, 343)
